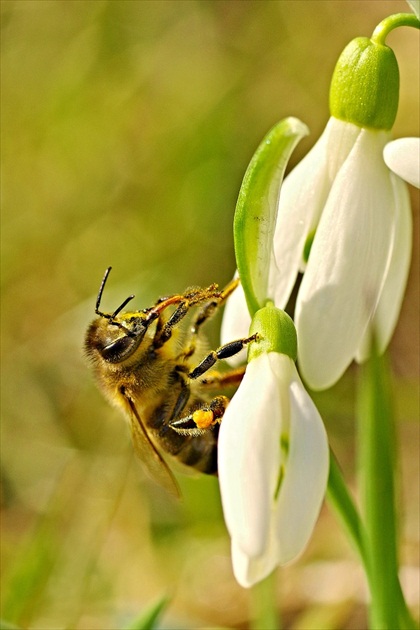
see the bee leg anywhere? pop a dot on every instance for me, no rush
(206, 312)
(224, 352)
(164, 428)
(225, 379)
(185, 302)
(183, 397)
(208, 309)
(164, 330)
(203, 419)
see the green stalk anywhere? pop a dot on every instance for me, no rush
(342, 502)
(377, 474)
(393, 21)
(406, 620)
(263, 605)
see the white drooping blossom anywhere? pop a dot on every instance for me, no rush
(273, 465)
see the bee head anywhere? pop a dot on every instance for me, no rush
(116, 337)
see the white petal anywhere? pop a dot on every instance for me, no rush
(403, 157)
(347, 263)
(249, 455)
(249, 571)
(302, 198)
(236, 322)
(304, 484)
(389, 306)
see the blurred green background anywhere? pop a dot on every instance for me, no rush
(126, 129)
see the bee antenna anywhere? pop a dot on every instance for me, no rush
(118, 310)
(101, 290)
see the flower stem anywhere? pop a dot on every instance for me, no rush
(377, 466)
(263, 606)
(393, 21)
(342, 502)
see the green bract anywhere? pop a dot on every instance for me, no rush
(276, 333)
(365, 85)
(256, 209)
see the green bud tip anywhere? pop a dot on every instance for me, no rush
(276, 333)
(365, 85)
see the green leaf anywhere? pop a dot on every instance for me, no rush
(149, 618)
(28, 575)
(341, 500)
(256, 209)
(5, 625)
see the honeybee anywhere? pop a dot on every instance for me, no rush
(146, 363)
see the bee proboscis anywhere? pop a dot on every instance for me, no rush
(147, 364)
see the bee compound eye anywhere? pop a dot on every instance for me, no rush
(120, 349)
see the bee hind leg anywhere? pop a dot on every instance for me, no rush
(208, 416)
(205, 418)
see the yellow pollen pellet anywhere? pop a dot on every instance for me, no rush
(203, 419)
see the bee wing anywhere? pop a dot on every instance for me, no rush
(154, 464)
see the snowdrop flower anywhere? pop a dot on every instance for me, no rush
(344, 220)
(273, 456)
(344, 206)
(402, 156)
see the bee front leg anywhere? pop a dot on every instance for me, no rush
(164, 329)
(205, 313)
(185, 303)
(208, 309)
